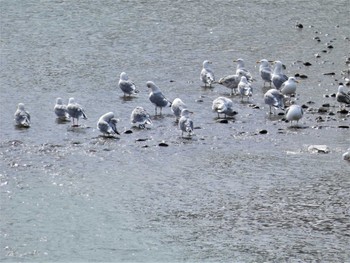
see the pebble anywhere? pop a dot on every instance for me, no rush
(163, 144)
(263, 131)
(128, 132)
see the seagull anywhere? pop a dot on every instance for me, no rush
(294, 113)
(289, 87)
(207, 74)
(107, 124)
(61, 110)
(176, 107)
(75, 111)
(231, 82)
(244, 88)
(274, 98)
(242, 70)
(157, 97)
(140, 117)
(223, 105)
(127, 86)
(277, 76)
(22, 117)
(185, 123)
(265, 71)
(342, 97)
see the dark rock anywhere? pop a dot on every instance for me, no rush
(222, 121)
(163, 144)
(307, 64)
(331, 113)
(324, 51)
(128, 132)
(333, 95)
(343, 127)
(343, 111)
(263, 131)
(304, 106)
(329, 74)
(319, 119)
(326, 105)
(302, 76)
(322, 110)
(310, 102)
(141, 140)
(280, 114)
(330, 46)
(299, 25)
(325, 95)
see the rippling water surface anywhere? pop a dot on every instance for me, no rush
(233, 193)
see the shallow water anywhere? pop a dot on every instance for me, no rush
(230, 193)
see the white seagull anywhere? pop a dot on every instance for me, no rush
(107, 124)
(75, 111)
(240, 69)
(126, 85)
(277, 75)
(157, 97)
(294, 113)
(61, 110)
(176, 107)
(22, 117)
(289, 87)
(342, 96)
(185, 122)
(140, 117)
(274, 98)
(207, 74)
(244, 88)
(223, 105)
(265, 71)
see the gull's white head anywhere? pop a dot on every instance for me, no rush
(185, 112)
(206, 63)
(20, 106)
(152, 86)
(59, 101)
(124, 76)
(71, 101)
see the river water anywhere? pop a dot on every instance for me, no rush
(243, 191)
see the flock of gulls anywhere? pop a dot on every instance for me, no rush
(279, 96)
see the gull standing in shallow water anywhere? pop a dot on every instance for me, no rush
(241, 70)
(342, 97)
(140, 117)
(244, 88)
(231, 82)
(207, 74)
(127, 86)
(277, 76)
(223, 105)
(75, 111)
(185, 123)
(22, 117)
(176, 107)
(274, 98)
(157, 97)
(61, 110)
(294, 113)
(265, 71)
(107, 124)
